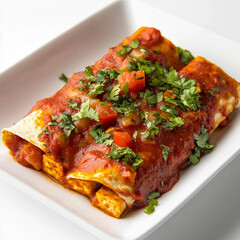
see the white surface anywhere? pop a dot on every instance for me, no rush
(212, 214)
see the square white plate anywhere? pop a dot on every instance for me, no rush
(36, 77)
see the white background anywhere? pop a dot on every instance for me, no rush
(213, 214)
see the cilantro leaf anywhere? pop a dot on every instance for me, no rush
(212, 94)
(98, 134)
(124, 50)
(151, 97)
(134, 43)
(153, 195)
(151, 206)
(44, 129)
(169, 109)
(97, 89)
(126, 155)
(185, 55)
(86, 112)
(153, 129)
(202, 139)
(66, 123)
(108, 142)
(203, 145)
(125, 89)
(114, 94)
(216, 89)
(127, 48)
(73, 105)
(53, 122)
(89, 74)
(173, 122)
(63, 78)
(159, 97)
(165, 152)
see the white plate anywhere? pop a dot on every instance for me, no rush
(36, 77)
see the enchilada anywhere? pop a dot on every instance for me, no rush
(126, 126)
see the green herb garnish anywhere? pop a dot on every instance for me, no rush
(126, 155)
(99, 135)
(44, 129)
(202, 145)
(114, 94)
(173, 122)
(97, 89)
(67, 124)
(212, 94)
(127, 48)
(165, 152)
(86, 112)
(63, 78)
(53, 122)
(151, 206)
(73, 105)
(216, 89)
(185, 55)
(168, 109)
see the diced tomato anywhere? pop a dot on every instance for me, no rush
(122, 139)
(135, 80)
(106, 114)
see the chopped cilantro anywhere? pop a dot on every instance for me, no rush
(185, 90)
(141, 64)
(63, 78)
(103, 103)
(202, 139)
(127, 48)
(125, 89)
(109, 88)
(67, 124)
(89, 74)
(134, 43)
(216, 89)
(126, 106)
(97, 89)
(151, 97)
(185, 55)
(86, 112)
(153, 195)
(159, 97)
(126, 155)
(212, 94)
(188, 94)
(108, 142)
(53, 122)
(169, 109)
(151, 206)
(162, 183)
(157, 51)
(110, 74)
(135, 134)
(202, 145)
(153, 129)
(114, 94)
(73, 105)
(173, 122)
(99, 135)
(165, 152)
(124, 50)
(44, 129)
